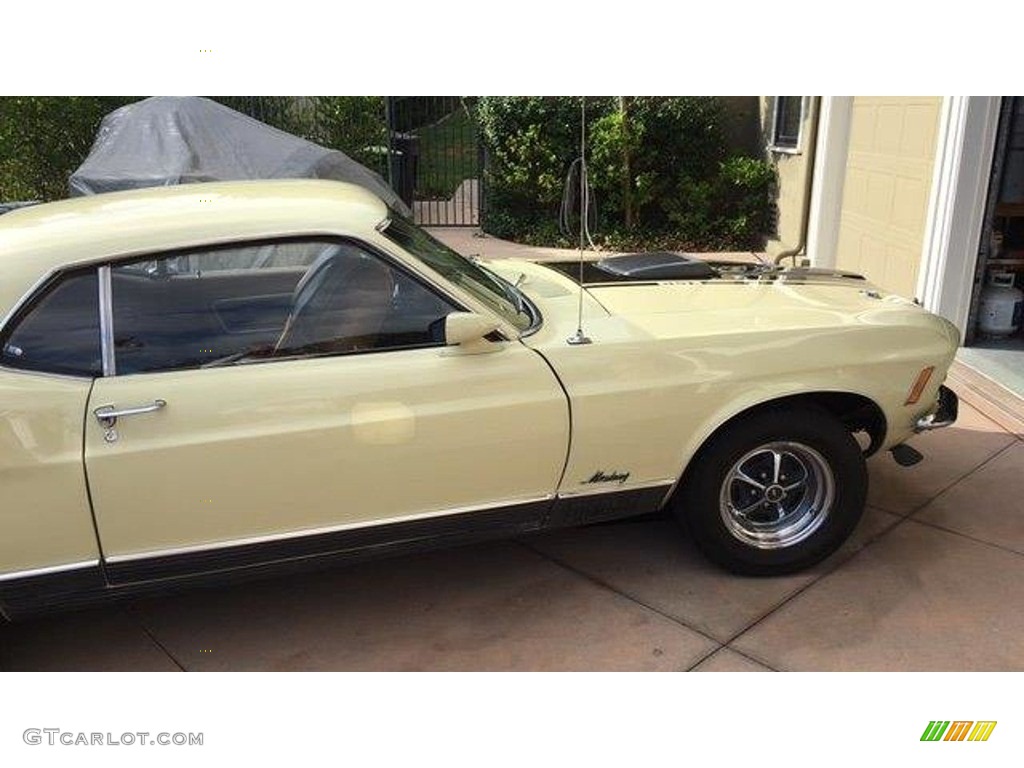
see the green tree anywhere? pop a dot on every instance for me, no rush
(43, 139)
(660, 169)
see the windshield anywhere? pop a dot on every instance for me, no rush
(498, 294)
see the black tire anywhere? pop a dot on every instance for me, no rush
(822, 496)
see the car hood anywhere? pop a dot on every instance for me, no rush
(740, 297)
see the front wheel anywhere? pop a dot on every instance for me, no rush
(775, 492)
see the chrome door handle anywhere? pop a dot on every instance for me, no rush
(107, 415)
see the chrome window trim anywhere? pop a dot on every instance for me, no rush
(106, 301)
(32, 572)
(536, 316)
(245, 363)
(137, 556)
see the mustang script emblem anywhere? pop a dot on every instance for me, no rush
(611, 477)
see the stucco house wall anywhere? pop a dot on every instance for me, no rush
(791, 171)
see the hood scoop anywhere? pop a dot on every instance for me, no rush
(638, 267)
(657, 265)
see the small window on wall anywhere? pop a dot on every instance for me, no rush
(786, 121)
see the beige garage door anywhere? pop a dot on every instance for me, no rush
(885, 194)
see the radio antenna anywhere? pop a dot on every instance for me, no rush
(579, 337)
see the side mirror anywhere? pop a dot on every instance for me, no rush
(467, 330)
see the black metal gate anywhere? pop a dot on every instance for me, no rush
(427, 147)
(436, 158)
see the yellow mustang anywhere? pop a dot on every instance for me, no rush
(214, 380)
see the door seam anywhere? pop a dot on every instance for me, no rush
(88, 488)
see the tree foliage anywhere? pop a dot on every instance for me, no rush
(43, 139)
(659, 166)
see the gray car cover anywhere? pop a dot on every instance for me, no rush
(178, 140)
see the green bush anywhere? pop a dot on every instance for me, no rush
(43, 139)
(410, 113)
(529, 143)
(659, 169)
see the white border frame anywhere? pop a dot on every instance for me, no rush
(956, 205)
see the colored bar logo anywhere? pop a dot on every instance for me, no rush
(958, 730)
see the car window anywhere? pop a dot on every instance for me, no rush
(60, 331)
(244, 304)
(263, 256)
(253, 257)
(491, 289)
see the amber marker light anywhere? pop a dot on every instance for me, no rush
(922, 381)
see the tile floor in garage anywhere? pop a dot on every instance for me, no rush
(933, 579)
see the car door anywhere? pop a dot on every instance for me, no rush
(268, 406)
(49, 354)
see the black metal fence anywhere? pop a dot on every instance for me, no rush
(355, 125)
(426, 147)
(436, 158)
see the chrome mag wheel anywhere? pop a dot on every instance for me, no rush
(777, 495)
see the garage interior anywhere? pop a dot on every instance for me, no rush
(994, 343)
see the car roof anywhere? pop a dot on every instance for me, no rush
(37, 240)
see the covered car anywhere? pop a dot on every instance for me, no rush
(166, 140)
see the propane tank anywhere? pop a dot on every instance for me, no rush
(1002, 306)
